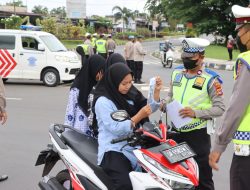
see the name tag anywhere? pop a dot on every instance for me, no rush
(199, 82)
(242, 149)
(177, 79)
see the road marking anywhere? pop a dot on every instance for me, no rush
(14, 98)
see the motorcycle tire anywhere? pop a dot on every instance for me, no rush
(170, 64)
(63, 177)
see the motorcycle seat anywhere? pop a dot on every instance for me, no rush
(86, 148)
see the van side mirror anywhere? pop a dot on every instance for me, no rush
(41, 47)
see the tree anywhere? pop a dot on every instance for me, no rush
(207, 16)
(17, 3)
(13, 22)
(124, 14)
(40, 10)
(49, 25)
(58, 12)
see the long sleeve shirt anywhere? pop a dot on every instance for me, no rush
(74, 116)
(110, 129)
(2, 96)
(239, 102)
(110, 45)
(129, 51)
(139, 52)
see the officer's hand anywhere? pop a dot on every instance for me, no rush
(187, 112)
(158, 83)
(3, 117)
(214, 158)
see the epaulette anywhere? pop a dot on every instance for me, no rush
(214, 74)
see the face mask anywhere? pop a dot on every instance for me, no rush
(239, 44)
(189, 64)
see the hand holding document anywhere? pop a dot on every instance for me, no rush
(173, 109)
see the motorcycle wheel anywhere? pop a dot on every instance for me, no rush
(63, 177)
(170, 63)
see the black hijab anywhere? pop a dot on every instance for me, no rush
(86, 79)
(114, 58)
(109, 88)
(80, 51)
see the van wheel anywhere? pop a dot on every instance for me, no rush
(51, 77)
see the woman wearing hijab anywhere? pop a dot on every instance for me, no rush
(78, 108)
(118, 160)
(134, 93)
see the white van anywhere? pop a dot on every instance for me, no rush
(36, 55)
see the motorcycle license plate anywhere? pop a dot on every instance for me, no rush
(178, 153)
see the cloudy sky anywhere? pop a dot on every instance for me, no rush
(97, 7)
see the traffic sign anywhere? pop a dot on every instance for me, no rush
(7, 63)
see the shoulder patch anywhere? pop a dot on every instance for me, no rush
(218, 88)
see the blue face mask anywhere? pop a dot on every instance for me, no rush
(190, 64)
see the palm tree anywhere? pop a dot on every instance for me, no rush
(124, 14)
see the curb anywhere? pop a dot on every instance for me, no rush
(208, 64)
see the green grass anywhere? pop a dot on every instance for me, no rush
(71, 44)
(220, 52)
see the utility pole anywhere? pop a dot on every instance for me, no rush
(14, 7)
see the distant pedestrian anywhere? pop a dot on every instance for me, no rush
(139, 54)
(129, 53)
(110, 45)
(230, 46)
(3, 114)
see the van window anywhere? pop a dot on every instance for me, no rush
(29, 43)
(53, 43)
(7, 42)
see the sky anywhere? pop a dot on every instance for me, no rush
(94, 7)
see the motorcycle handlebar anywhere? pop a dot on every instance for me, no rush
(120, 139)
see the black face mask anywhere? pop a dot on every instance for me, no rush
(241, 47)
(189, 64)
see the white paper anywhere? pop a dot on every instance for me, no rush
(173, 109)
(151, 91)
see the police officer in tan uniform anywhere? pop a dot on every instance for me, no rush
(236, 123)
(3, 114)
(199, 90)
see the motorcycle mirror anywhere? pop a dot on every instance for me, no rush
(119, 115)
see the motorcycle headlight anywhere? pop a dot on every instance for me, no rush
(160, 167)
(177, 185)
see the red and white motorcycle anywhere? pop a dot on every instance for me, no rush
(167, 166)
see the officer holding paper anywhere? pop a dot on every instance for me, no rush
(200, 93)
(236, 123)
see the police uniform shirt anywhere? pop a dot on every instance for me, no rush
(90, 48)
(239, 101)
(110, 45)
(216, 96)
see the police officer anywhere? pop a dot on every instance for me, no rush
(129, 53)
(93, 41)
(87, 46)
(101, 46)
(199, 91)
(139, 54)
(110, 45)
(236, 123)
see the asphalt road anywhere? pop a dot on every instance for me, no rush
(32, 107)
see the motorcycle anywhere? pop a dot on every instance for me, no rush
(167, 57)
(166, 166)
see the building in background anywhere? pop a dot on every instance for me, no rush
(76, 9)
